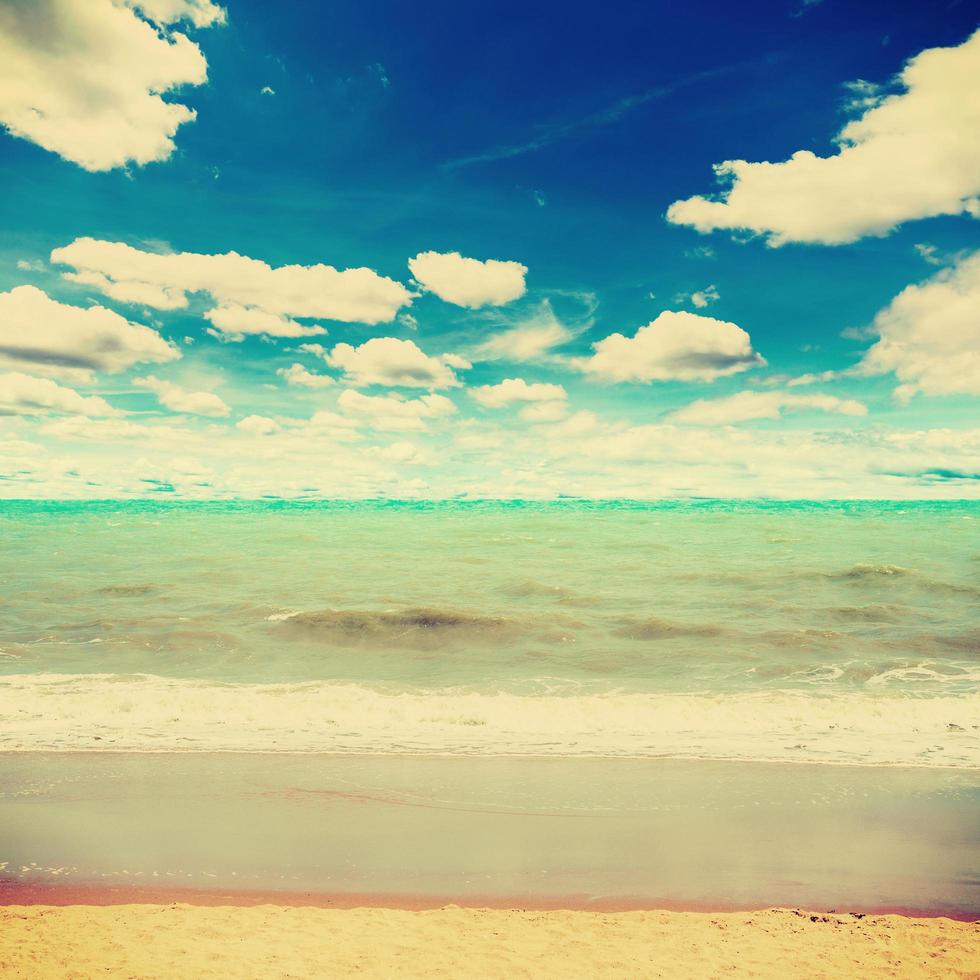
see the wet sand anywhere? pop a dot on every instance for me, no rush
(535, 832)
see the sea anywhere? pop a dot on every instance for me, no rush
(833, 633)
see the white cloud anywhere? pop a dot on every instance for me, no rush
(251, 296)
(22, 394)
(468, 282)
(677, 346)
(911, 155)
(332, 425)
(85, 78)
(928, 253)
(544, 411)
(542, 402)
(392, 412)
(55, 338)
(402, 452)
(201, 13)
(389, 361)
(257, 425)
(513, 390)
(179, 399)
(532, 339)
(749, 405)
(296, 374)
(817, 377)
(702, 297)
(930, 334)
(317, 349)
(234, 322)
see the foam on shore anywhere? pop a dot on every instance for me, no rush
(151, 713)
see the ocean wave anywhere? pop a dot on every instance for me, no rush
(128, 591)
(929, 673)
(655, 628)
(64, 712)
(863, 570)
(405, 627)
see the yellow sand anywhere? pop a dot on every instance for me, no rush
(183, 941)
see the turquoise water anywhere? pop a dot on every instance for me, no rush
(822, 632)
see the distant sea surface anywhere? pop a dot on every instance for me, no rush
(837, 633)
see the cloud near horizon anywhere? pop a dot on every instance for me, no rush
(929, 335)
(179, 399)
(747, 406)
(23, 394)
(392, 412)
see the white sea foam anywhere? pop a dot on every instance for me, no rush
(149, 713)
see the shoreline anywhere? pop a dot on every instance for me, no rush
(14, 894)
(95, 751)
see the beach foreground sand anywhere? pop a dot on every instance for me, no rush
(278, 941)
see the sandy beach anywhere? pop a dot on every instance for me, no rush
(181, 940)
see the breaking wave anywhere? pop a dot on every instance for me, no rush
(150, 713)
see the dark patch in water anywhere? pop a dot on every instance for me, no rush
(655, 628)
(862, 572)
(968, 642)
(866, 571)
(128, 590)
(798, 638)
(406, 627)
(882, 612)
(528, 587)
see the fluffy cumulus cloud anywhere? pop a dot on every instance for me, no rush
(22, 394)
(676, 346)
(513, 390)
(913, 154)
(704, 297)
(200, 13)
(233, 322)
(541, 402)
(468, 282)
(749, 405)
(49, 337)
(392, 412)
(395, 363)
(930, 334)
(179, 399)
(86, 78)
(296, 374)
(257, 425)
(251, 296)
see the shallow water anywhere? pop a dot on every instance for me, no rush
(646, 832)
(812, 632)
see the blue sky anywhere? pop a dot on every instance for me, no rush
(590, 309)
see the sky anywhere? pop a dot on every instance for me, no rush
(366, 249)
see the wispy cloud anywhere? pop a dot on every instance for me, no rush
(555, 132)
